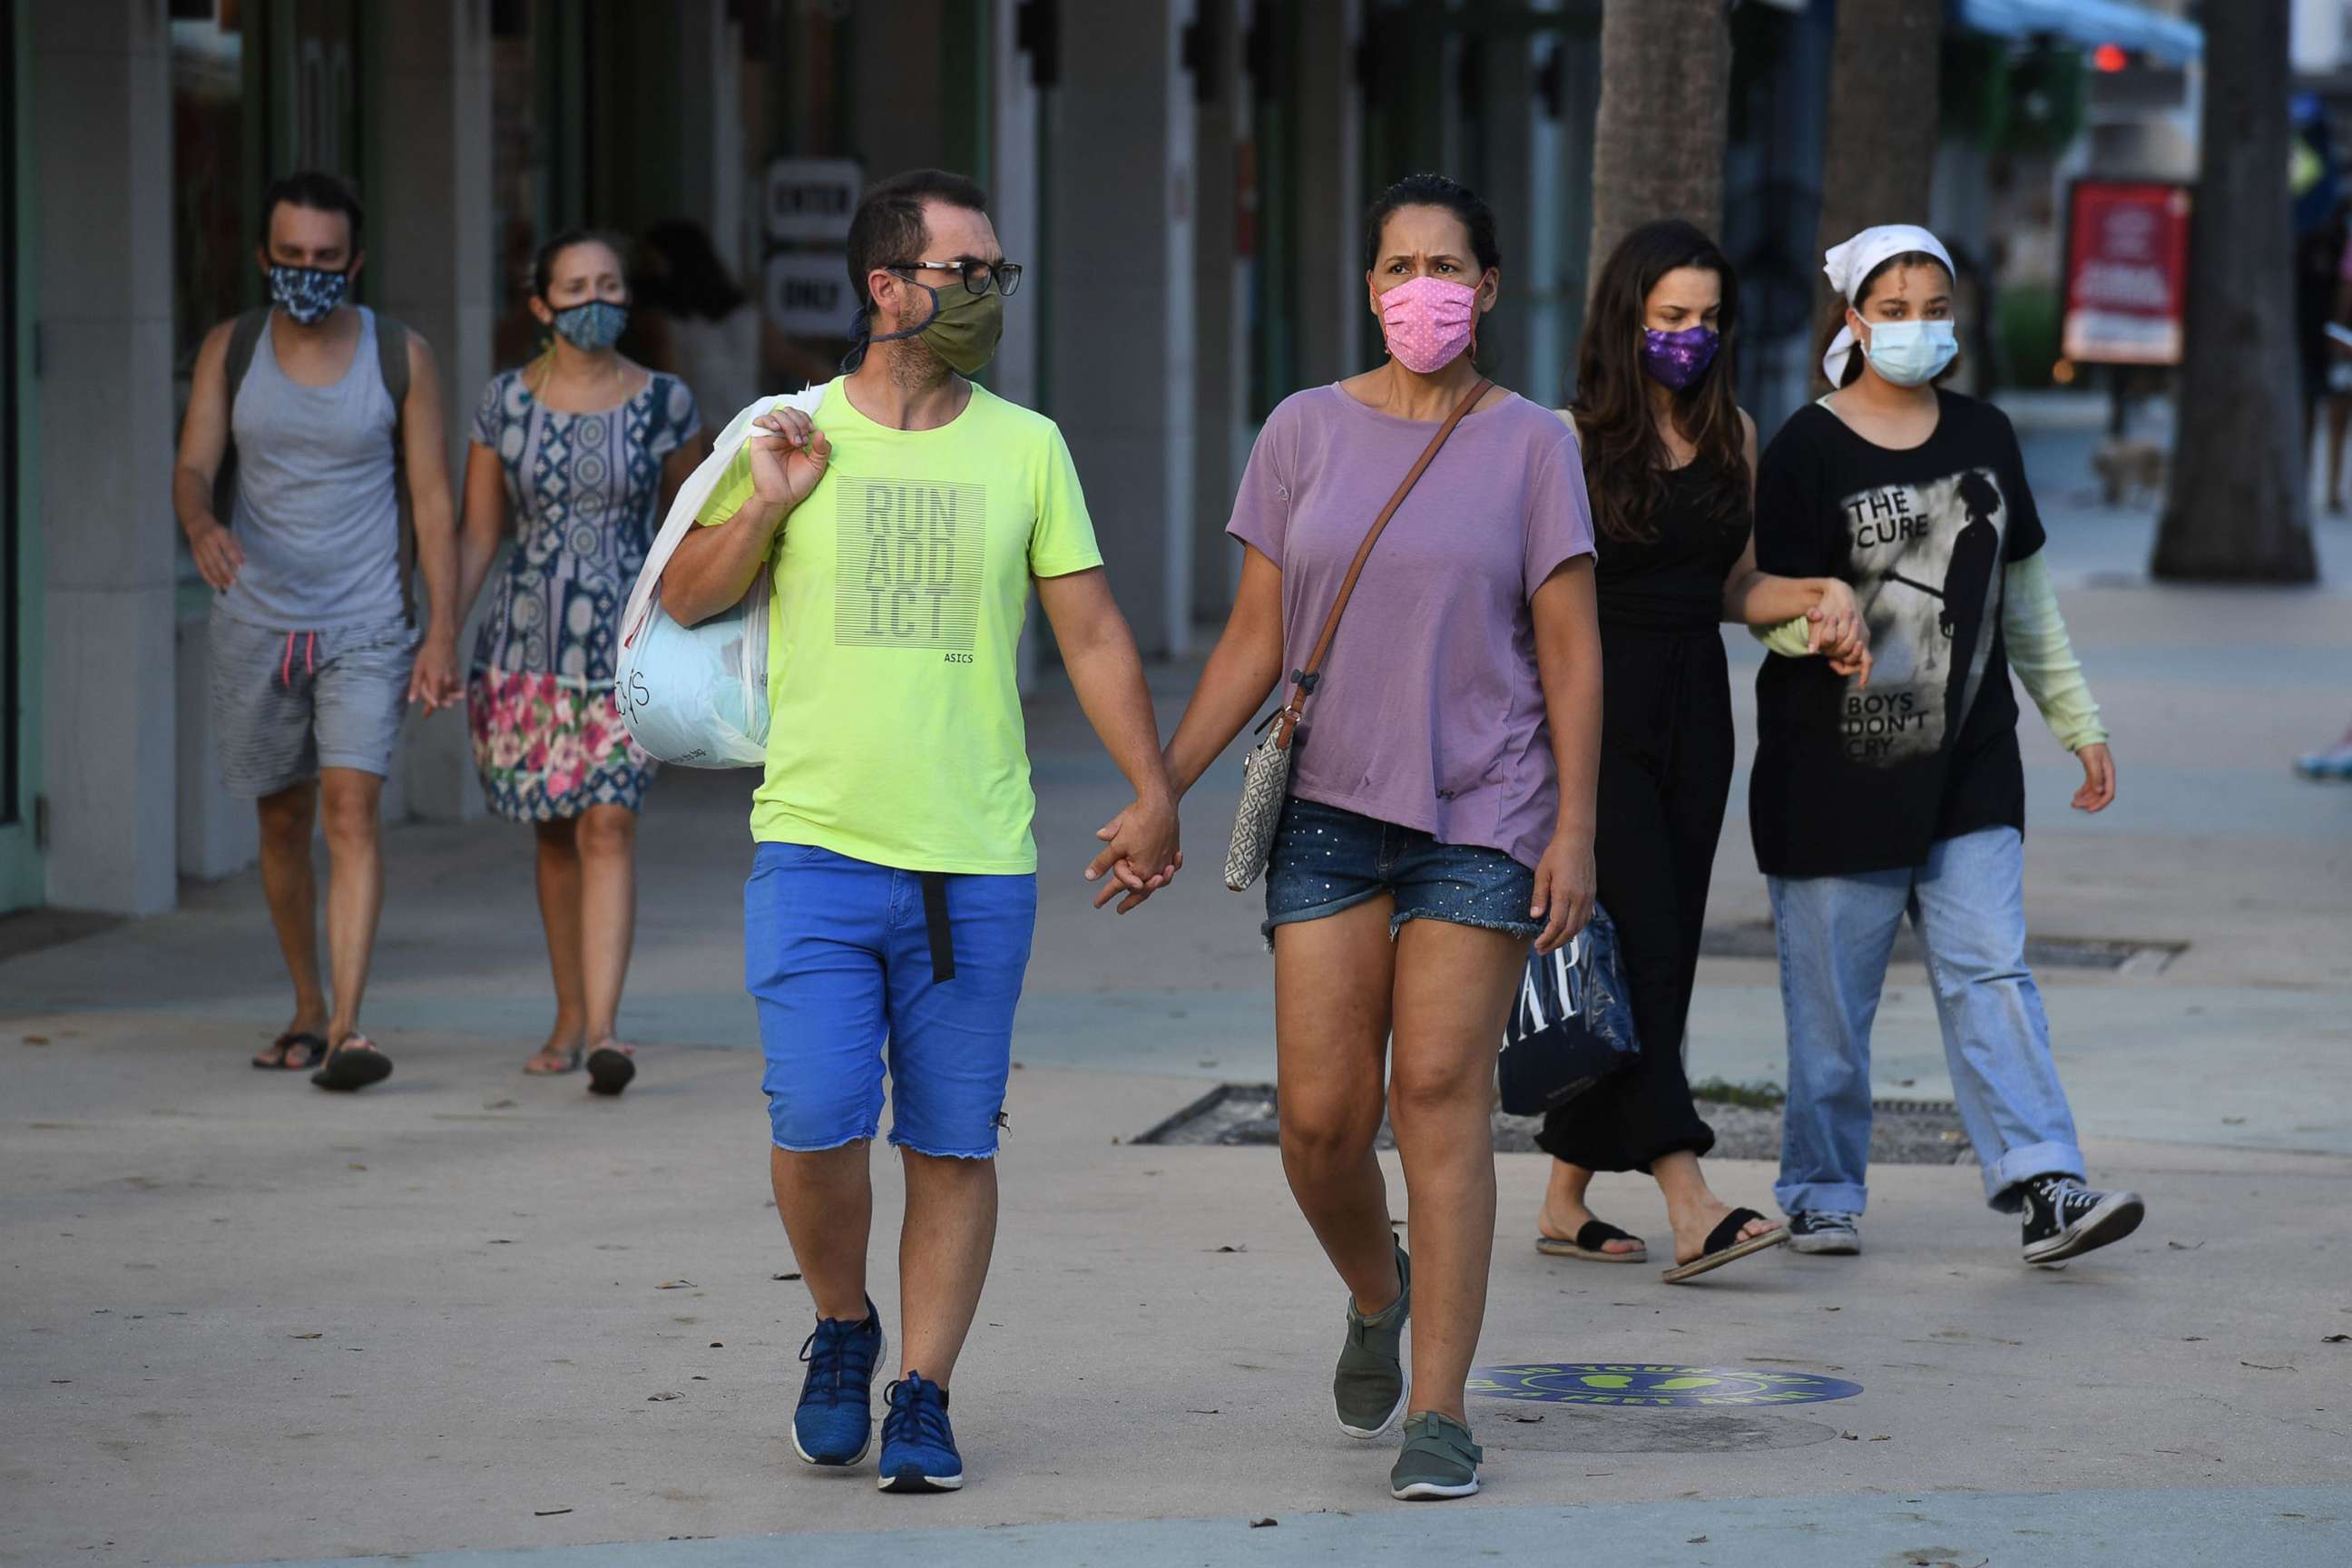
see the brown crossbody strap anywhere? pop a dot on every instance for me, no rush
(1302, 681)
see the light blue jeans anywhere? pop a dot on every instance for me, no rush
(1835, 933)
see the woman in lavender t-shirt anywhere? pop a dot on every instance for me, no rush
(1441, 794)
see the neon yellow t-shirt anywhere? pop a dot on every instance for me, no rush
(895, 733)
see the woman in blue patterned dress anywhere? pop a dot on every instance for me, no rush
(583, 450)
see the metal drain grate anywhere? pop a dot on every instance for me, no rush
(2122, 956)
(1903, 1132)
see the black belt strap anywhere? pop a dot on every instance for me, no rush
(935, 918)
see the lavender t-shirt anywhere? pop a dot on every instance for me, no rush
(1430, 713)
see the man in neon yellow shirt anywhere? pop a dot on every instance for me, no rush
(893, 888)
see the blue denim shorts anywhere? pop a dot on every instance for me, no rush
(837, 956)
(1326, 859)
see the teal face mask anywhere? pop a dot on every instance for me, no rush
(1909, 353)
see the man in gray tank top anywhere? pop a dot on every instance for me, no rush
(312, 477)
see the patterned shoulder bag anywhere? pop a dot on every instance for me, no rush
(1266, 773)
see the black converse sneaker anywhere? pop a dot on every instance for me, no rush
(1825, 1230)
(2064, 1219)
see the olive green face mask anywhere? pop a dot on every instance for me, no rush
(963, 328)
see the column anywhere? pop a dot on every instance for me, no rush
(1220, 351)
(1336, 318)
(1014, 177)
(1119, 364)
(709, 108)
(430, 245)
(102, 177)
(1508, 103)
(1543, 272)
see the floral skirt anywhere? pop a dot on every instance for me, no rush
(549, 748)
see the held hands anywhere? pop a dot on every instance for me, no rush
(1140, 854)
(1565, 879)
(433, 682)
(1838, 633)
(2098, 791)
(789, 454)
(219, 557)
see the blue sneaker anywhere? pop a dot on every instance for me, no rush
(834, 1423)
(919, 1451)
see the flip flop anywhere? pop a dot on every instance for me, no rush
(314, 1051)
(1721, 1248)
(610, 1070)
(352, 1065)
(1595, 1234)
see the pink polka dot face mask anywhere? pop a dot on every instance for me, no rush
(1429, 322)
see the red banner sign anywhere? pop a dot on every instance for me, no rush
(2126, 272)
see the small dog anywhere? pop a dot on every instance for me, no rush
(2130, 468)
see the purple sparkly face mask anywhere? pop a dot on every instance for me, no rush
(1677, 359)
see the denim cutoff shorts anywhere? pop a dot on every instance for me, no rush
(838, 957)
(1326, 860)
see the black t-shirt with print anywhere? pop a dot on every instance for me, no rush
(1847, 780)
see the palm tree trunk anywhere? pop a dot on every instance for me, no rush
(1878, 153)
(2237, 508)
(1658, 148)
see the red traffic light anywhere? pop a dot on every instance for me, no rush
(2110, 58)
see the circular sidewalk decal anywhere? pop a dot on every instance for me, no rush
(1645, 1385)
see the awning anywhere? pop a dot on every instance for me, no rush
(2090, 23)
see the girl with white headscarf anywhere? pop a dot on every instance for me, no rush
(1909, 796)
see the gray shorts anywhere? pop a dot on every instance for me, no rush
(285, 704)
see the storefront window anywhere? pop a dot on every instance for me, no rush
(832, 97)
(260, 88)
(526, 195)
(802, 154)
(213, 276)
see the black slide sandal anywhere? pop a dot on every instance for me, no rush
(314, 1051)
(1595, 1234)
(610, 1071)
(1722, 1248)
(352, 1065)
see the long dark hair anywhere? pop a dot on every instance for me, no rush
(693, 280)
(1625, 463)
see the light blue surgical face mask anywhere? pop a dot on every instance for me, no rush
(1909, 353)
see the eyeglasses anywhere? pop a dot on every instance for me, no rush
(979, 276)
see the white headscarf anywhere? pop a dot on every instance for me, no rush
(1854, 260)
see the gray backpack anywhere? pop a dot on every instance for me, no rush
(391, 363)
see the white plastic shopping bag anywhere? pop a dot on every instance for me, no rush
(698, 695)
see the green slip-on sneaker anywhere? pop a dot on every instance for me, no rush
(1370, 1386)
(1438, 1460)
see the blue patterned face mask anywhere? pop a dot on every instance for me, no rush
(592, 327)
(309, 294)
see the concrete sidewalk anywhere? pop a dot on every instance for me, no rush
(2226, 1529)
(472, 1312)
(248, 1321)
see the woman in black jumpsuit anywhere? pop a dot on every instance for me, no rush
(1669, 460)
